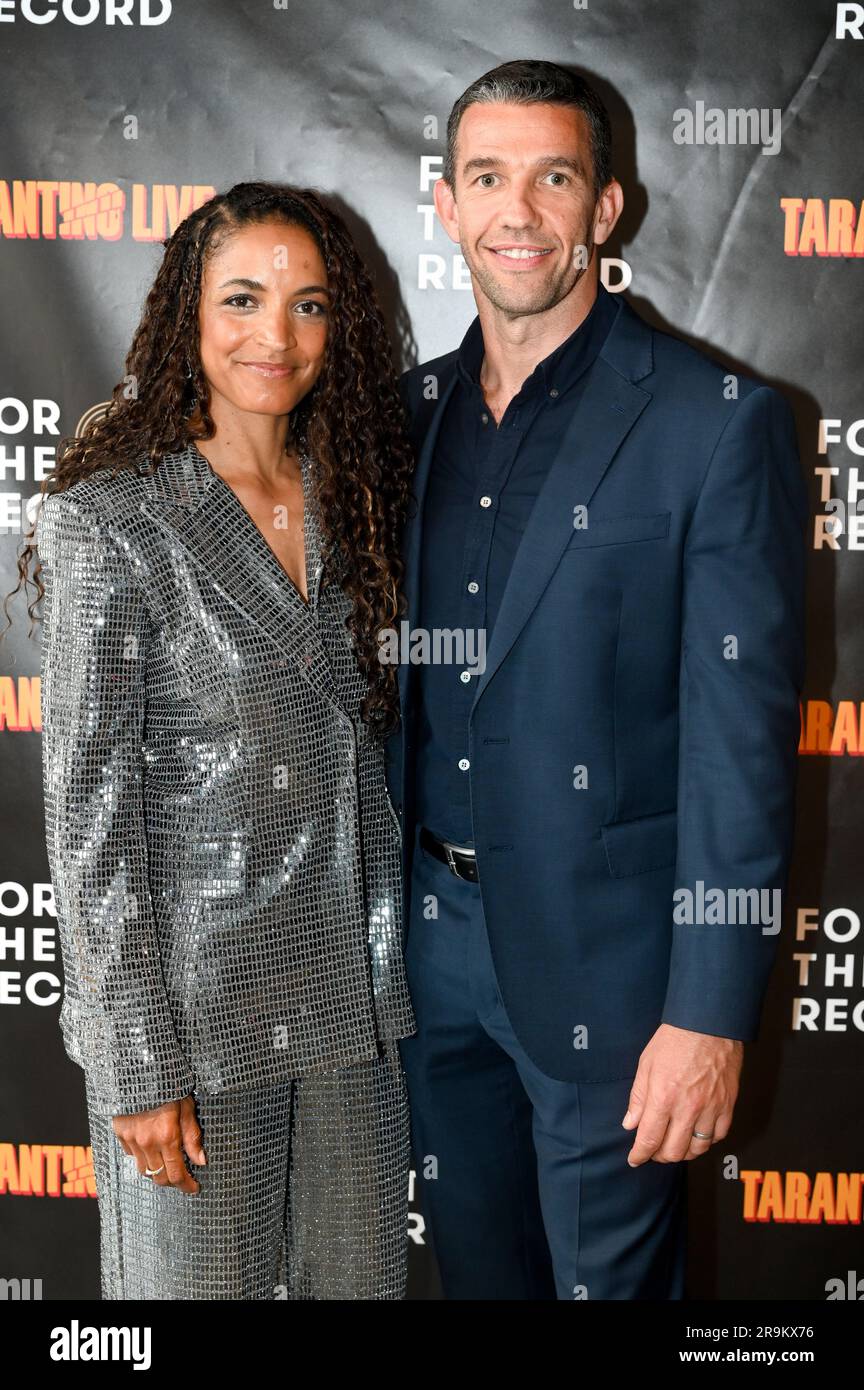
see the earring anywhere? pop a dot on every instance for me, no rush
(193, 398)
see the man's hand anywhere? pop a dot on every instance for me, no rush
(685, 1081)
(157, 1139)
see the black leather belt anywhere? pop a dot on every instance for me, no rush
(458, 862)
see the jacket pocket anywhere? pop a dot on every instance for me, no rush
(635, 846)
(614, 530)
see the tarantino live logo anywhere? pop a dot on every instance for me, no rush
(791, 1197)
(832, 731)
(48, 209)
(46, 1170)
(822, 227)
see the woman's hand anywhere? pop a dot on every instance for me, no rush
(157, 1139)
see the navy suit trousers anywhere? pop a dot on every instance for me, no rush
(523, 1180)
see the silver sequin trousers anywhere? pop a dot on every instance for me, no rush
(304, 1195)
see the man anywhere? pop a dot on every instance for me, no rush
(623, 525)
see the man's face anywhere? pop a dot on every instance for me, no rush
(524, 203)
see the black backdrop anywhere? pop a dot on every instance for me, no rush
(112, 131)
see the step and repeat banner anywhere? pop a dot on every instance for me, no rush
(738, 144)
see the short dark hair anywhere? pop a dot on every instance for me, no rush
(528, 81)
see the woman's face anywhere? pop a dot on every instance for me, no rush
(263, 318)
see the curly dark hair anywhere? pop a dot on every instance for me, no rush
(352, 422)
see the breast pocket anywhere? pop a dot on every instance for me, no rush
(618, 530)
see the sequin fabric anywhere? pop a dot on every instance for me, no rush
(226, 869)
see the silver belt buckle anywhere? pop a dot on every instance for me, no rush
(451, 851)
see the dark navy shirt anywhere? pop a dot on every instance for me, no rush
(482, 485)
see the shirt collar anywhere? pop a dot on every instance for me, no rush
(564, 364)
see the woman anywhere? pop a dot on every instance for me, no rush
(219, 553)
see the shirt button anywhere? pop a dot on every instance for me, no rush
(473, 587)
(485, 418)
(485, 501)
(554, 391)
(464, 764)
(464, 677)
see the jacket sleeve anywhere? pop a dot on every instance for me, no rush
(115, 1018)
(741, 675)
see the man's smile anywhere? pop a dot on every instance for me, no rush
(525, 257)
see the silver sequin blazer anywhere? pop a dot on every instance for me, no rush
(224, 854)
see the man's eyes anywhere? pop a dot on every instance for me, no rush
(552, 174)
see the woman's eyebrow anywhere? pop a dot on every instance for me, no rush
(256, 285)
(249, 284)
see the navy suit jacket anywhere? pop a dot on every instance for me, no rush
(635, 730)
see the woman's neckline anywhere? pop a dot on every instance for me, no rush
(216, 474)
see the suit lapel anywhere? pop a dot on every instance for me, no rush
(609, 407)
(607, 411)
(211, 524)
